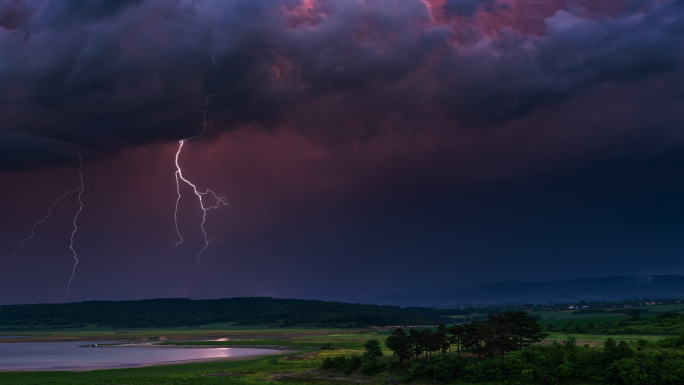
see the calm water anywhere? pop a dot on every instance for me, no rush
(68, 355)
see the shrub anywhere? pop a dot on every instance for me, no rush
(371, 366)
(346, 364)
(442, 368)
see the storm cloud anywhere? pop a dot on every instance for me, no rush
(104, 76)
(366, 147)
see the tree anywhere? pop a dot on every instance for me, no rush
(526, 329)
(373, 348)
(502, 334)
(416, 344)
(474, 337)
(427, 341)
(400, 344)
(442, 339)
(456, 334)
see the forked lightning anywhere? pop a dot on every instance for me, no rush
(49, 213)
(218, 201)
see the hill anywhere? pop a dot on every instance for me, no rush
(572, 290)
(174, 312)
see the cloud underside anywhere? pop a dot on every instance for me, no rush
(507, 76)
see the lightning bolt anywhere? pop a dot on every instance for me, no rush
(201, 195)
(33, 229)
(49, 214)
(73, 233)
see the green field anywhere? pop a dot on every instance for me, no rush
(289, 368)
(210, 331)
(352, 341)
(662, 308)
(596, 339)
(568, 315)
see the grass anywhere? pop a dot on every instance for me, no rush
(596, 339)
(224, 330)
(568, 315)
(662, 308)
(251, 372)
(339, 341)
(591, 318)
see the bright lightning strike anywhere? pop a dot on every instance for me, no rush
(201, 195)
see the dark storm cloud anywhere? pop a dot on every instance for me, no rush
(103, 75)
(75, 11)
(19, 151)
(464, 7)
(516, 74)
(13, 14)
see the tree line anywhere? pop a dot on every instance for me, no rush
(501, 333)
(613, 363)
(179, 312)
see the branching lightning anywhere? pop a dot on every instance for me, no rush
(218, 201)
(33, 229)
(78, 190)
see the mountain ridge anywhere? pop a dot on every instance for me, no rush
(615, 288)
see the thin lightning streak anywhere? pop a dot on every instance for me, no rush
(220, 201)
(80, 207)
(73, 233)
(33, 229)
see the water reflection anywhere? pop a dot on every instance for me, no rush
(69, 355)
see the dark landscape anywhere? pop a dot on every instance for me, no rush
(342, 192)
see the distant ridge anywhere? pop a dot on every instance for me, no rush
(572, 290)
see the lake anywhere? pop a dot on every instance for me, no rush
(70, 355)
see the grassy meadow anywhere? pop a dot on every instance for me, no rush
(298, 367)
(297, 364)
(210, 331)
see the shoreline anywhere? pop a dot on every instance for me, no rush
(123, 337)
(281, 350)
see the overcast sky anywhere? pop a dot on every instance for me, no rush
(363, 147)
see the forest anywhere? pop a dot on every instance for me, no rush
(178, 312)
(505, 349)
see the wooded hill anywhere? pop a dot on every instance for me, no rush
(176, 312)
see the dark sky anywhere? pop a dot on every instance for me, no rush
(364, 147)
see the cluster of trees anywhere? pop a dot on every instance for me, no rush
(670, 323)
(368, 362)
(512, 330)
(562, 363)
(178, 312)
